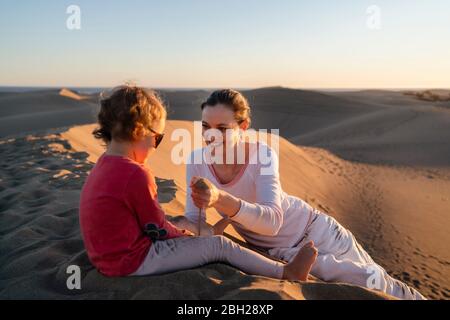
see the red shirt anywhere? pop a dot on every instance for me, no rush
(120, 215)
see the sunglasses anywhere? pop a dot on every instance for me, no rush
(158, 137)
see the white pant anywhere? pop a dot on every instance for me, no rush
(342, 259)
(191, 252)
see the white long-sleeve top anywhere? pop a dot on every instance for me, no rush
(268, 217)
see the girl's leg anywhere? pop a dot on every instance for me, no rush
(190, 252)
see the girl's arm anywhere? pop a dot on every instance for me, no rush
(182, 222)
(141, 196)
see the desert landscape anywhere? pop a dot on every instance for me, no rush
(377, 160)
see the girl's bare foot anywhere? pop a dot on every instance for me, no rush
(220, 226)
(300, 266)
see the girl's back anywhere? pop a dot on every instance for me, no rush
(111, 230)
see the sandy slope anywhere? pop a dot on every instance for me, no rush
(398, 130)
(376, 160)
(375, 202)
(41, 110)
(39, 190)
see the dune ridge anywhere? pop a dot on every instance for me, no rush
(22, 112)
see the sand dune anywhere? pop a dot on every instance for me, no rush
(414, 136)
(437, 95)
(41, 238)
(293, 111)
(40, 110)
(64, 92)
(374, 202)
(376, 160)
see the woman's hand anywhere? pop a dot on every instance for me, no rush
(204, 194)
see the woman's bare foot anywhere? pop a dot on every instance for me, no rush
(300, 266)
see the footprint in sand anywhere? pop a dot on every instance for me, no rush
(38, 198)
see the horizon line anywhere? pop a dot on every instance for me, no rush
(219, 87)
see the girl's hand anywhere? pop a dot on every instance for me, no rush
(204, 194)
(188, 233)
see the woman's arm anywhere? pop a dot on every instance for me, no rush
(265, 216)
(204, 194)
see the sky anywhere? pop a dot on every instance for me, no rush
(228, 43)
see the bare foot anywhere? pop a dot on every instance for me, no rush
(220, 226)
(182, 222)
(300, 266)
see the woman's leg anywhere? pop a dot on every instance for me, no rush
(341, 258)
(190, 252)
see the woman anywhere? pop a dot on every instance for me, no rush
(255, 204)
(124, 229)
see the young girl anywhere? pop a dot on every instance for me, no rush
(123, 226)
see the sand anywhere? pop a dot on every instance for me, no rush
(42, 110)
(41, 238)
(395, 199)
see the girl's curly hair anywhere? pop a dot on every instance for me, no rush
(127, 108)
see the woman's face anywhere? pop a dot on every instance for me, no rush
(220, 118)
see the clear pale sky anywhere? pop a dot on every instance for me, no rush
(228, 43)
